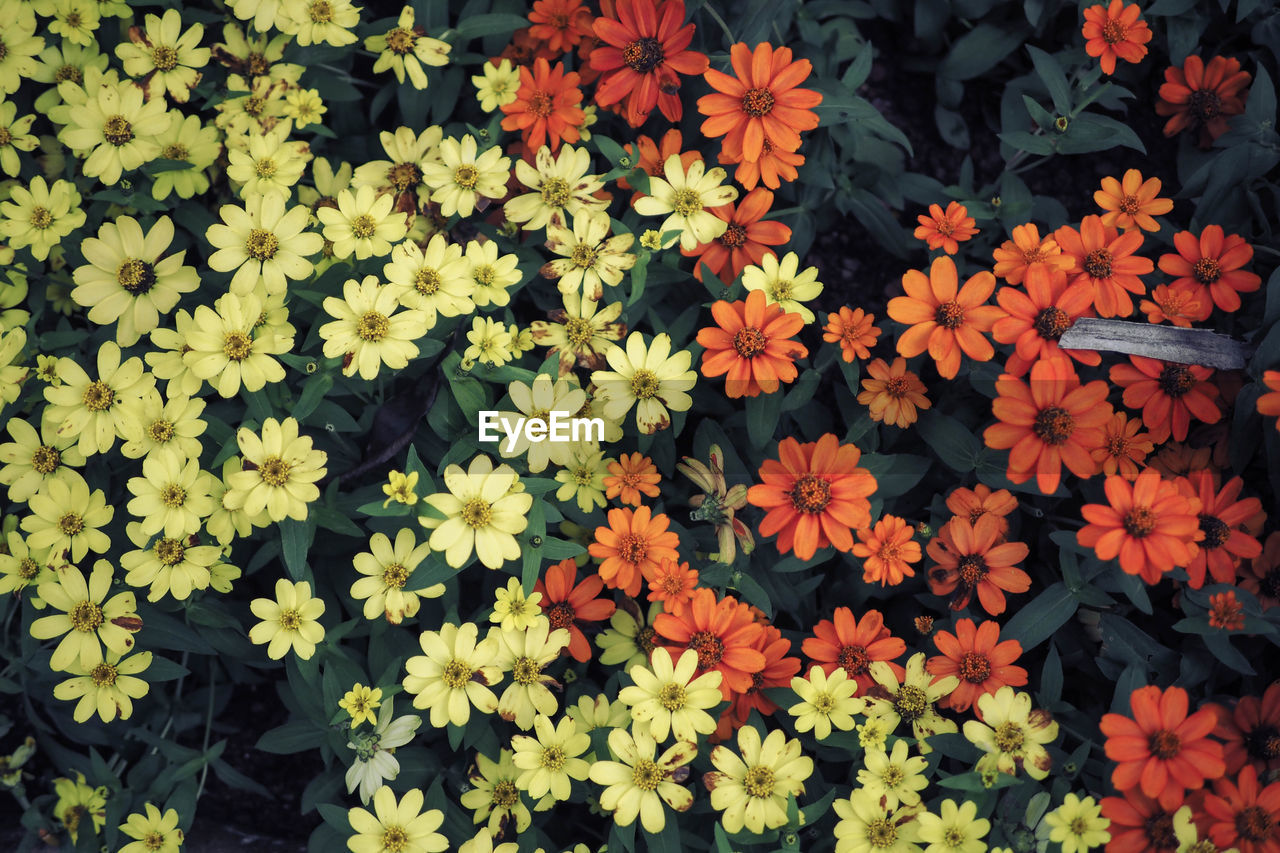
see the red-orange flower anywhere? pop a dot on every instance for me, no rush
(1161, 748)
(1243, 814)
(981, 500)
(1169, 394)
(975, 655)
(1106, 264)
(944, 321)
(1132, 202)
(1113, 32)
(1226, 612)
(1139, 824)
(761, 101)
(945, 229)
(1222, 517)
(561, 24)
(813, 494)
(1148, 524)
(1034, 321)
(546, 109)
(1178, 305)
(1263, 577)
(631, 476)
(1051, 422)
(887, 551)
(673, 584)
(632, 546)
(778, 670)
(969, 560)
(751, 345)
(724, 633)
(1123, 448)
(568, 606)
(645, 48)
(1204, 96)
(651, 156)
(853, 645)
(524, 48)
(745, 239)
(1210, 267)
(1269, 404)
(893, 393)
(774, 166)
(852, 328)
(1015, 257)
(1250, 733)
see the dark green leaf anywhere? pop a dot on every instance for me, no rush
(954, 443)
(295, 541)
(763, 412)
(1035, 622)
(1051, 74)
(980, 50)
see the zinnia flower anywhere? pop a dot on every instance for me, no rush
(1123, 448)
(1148, 524)
(1244, 813)
(893, 393)
(1106, 265)
(852, 328)
(569, 606)
(887, 551)
(945, 229)
(975, 654)
(632, 546)
(852, 644)
(981, 500)
(1133, 202)
(1034, 321)
(1178, 305)
(1222, 517)
(969, 560)
(944, 321)
(1139, 824)
(1115, 31)
(752, 790)
(1202, 95)
(1210, 268)
(560, 24)
(723, 632)
(644, 49)
(1015, 257)
(744, 239)
(752, 344)
(1168, 394)
(545, 110)
(630, 477)
(1250, 732)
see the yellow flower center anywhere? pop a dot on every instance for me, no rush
(274, 471)
(426, 282)
(290, 619)
(363, 226)
(402, 176)
(161, 431)
(911, 702)
(672, 696)
(261, 245)
(782, 291)
(953, 837)
(882, 833)
(555, 192)
(686, 202)
(484, 275)
(395, 576)
(553, 758)
(526, 671)
(1009, 737)
(823, 703)
(505, 794)
(86, 617)
(117, 130)
(647, 775)
(265, 168)
(28, 569)
(466, 176)
(164, 58)
(46, 459)
(584, 256)
(237, 346)
(456, 674)
(98, 397)
(394, 839)
(892, 776)
(66, 72)
(71, 523)
(173, 495)
(6, 136)
(254, 104)
(477, 513)
(136, 276)
(1114, 32)
(401, 40)
(321, 12)
(170, 551)
(104, 675)
(41, 218)
(578, 332)
(644, 384)
(176, 151)
(373, 327)
(758, 782)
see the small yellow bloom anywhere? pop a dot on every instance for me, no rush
(497, 85)
(368, 331)
(400, 488)
(453, 674)
(666, 699)
(551, 759)
(86, 618)
(284, 472)
(288, 622)
(685, 197)
(826, 701)
(360, 702)
(154, 832)
(482, 513)
(405, 48)
(1078, 824)
(957, 829)
(651, 378)
(386, 569)
(76, 801)
(401, 821)
(513, 610)
(783, 283)
(637, 785)
(752, 790)
(107, 687)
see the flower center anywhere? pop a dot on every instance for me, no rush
(28, 569)
(1165, 744)
(265, 168)
(561, 614)
(1129, 204)
(161, 431)
(1176, 379)
(882, 833)
(66, 72)
(709, 647)
(578, 332)
(853, 660)
(1098, 263)
(553, 758)
(644, 384)
(972, 569)
(401, 40)
(897, 386)
(103, 675)
(584, 256)
(46, 459)
(41, 218)
(758, 782)
(945, 227)
(164, 58)
(647, 775)
(823, 703)
(321, 12)
(975, 667)
(541, 104)
(237, 346)
(6, 136)
(1051, 323)
(526, 671)
(734, 237)
(477, 513)
(892, 776)
(1009, 737)
(170, 551)
(757, 102)
(1114, 32)
(395, 576)
(484, 275)
(911, 702)
(1204, 104)
(1159, 830)
(1139, 521)
(672, 696)
(749, 342)
(466, 176)
(136, 276)
(274, 471)
(950, 315)
(1263, 743)
(456, 674)
(363, 226)
(686, 202)
(86, 617)
(1207, 271)
(261, 245)
(1054, 425)
(395, 839)
(173, 495)
(505, 794)
(71, 523)
(426, 282)
(290, 619)
(643, 55)
(1216, 532)
(98, 397)
(1254, 824)
(810, 494)
(633, 548)
(373, 327)
(117, 130)
(402, 176)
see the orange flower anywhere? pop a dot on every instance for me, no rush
(943, 321)
(853, 329)
(813, 494)
(778, 670)
(1226, 612)
(893, 393)
(1052, 422)
(1115, 31)
(761, 101)
(1269, 403)
(979, 501)
(1123, 447)
(975, 655)
(1131, 202)
(568, 606)
(1222, 516)
(524, 48)
(645, 48)
(1210, 267)
(1250, 733)
(632, 546)
(1148, 524)
(1243, 814)
(1105, 264)
(673, 584)
(1178, 305)
(774, 166)
(723, 633)
(969, 560)
(1263, 578)
(1204, 96)
(561, 24)
(1168, 393)
(1139, 824)
(1175, 459)
(1034, 321)
(1161, 748)
(887, 551)
(743, 241)
(652, 156)
(1015, 257)
(853, 645)
(630, 477)
(945, 230)
(751, 345)
(546, 109)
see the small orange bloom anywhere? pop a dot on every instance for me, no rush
(1244, 813)
(1034, 321)
(723, 633)
(632, 546)
(1161, 748)
(673, 584)
(1178, 305)
(524, 49)
(813, 494)
(774, 166)
(546, 109)
(631, 476)
(650, 156)
(1123, 447)
(1015, 257)
(1263, 580)
(1169, 394)
(945, 229)
(1203, 96)
(893, 393)
(1222, 517)
(1269, 403)
(1131, 202)
(1176, 459)
(981, 500)
(853, 645)
(1113, 32)
(778, 670)
(944, 321)
(1250, 733)
(1139, 824)
(568, 606)
(561, 24)
(975, 655)
(1051, 422)
(1210, 267)
(751, 345)
(644, 48)
(887, 551)
(1148, 524)
(1226, 612)
(853, 329)
(969, 560)
(745, 239)
(1106, 264)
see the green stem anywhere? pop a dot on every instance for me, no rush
(719, 20)
(208, 725)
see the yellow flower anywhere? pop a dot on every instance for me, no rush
(666, 699)
(367, 332)
(107, 687)
(64, 62)
(579, 333)
(483, 843)
(435, 280)
(386, 569)
(462, 176)
(265, 14)
(360, 702)
(95, 409)
(154, 424)
(405, 48)
(21, 44)
(39, 215)
(268, 163)
(170, 566)
(551, 759)
(172, 495)
(453, 674)
(560, 185)
(494, 795)
(513, 610)
(400, 488)
(497, 85)
(648, 377)
(115, 130)
(225, 524)
(401, 825)
(20, 567)
(410, 153)
(536, 404)
(589, 257)
(868, 825)
(1011, 734)
(629, 639)
(14, 137)
(525, 654)
(825, 701)
(76, 801)
(599, 712)
(636, 785)
(263, 243)
(75, 21)
(224, 347)
(479, 511)
(783, 284)
(1078, 824)
(12, 375)
(490, 275)
(167, 357)
(33, 458)
(189, 141)
(304, 106)
(958, 829)
(288, 622)
(684, 197)
(284, 471)
(651, 239)
(752, 790)
(154, 832)
(47, 369)
(913, 700)
(86, 618)
(582, 478)
(321, 21)
(490, 342)
(164, 56)
(894, 778)
(364, 224)
(67, 517)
